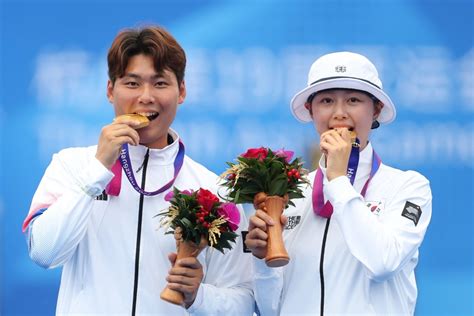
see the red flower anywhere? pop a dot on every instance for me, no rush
(206, 199)
(257, 153)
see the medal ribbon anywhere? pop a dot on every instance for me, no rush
(325, 209)
(124, 159)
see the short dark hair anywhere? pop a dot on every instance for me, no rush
(152, 41)
(312, 95)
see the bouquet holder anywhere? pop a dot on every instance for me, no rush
(184, 249)
(277, 256)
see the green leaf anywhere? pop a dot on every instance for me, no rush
(187, 223)
(278, 187)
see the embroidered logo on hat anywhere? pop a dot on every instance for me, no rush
(340, 69)
(412, 212)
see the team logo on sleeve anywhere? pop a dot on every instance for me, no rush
(292, 222)
(412, 212)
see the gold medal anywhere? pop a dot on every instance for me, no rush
(352, 134)
(143, 120)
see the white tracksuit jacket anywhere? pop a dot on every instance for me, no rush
(96, 240)
(371, 249)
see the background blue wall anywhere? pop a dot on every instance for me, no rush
(246, 60)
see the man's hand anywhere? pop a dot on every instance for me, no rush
(112, 137)
(185, 276)
(337, 146)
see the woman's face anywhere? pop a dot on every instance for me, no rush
(352, 109)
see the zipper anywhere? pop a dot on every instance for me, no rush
(321, 266)
(139, 235)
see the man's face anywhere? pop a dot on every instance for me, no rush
(344, 108)
(144, 91)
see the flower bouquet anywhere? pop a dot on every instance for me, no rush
(197, 219)
(273, 175)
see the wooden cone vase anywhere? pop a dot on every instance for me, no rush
(277, 256)
(185, 249)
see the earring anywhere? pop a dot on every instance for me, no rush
(375, 124)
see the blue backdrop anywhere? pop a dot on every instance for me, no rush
(246, 60)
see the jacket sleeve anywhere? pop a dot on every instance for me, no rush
(61, 206)
(268, 285)
(227, 284)
(383, 243)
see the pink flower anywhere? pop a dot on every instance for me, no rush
(169, 196)
(287, 154)
(231, 213)
(187, 192)
(256, 153)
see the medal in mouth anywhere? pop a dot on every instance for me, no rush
(149, 115)
(141, 120)
(353, 134)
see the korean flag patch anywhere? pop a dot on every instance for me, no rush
(412, 212)
(375, 206)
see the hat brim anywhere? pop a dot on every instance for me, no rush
(387, 115)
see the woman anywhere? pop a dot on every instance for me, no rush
(353, 241)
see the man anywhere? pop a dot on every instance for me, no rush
(100, 224)
(353, 241)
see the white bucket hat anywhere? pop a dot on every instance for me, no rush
(343, 70)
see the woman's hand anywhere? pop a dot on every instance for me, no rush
(256, 239)
(336, 146)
